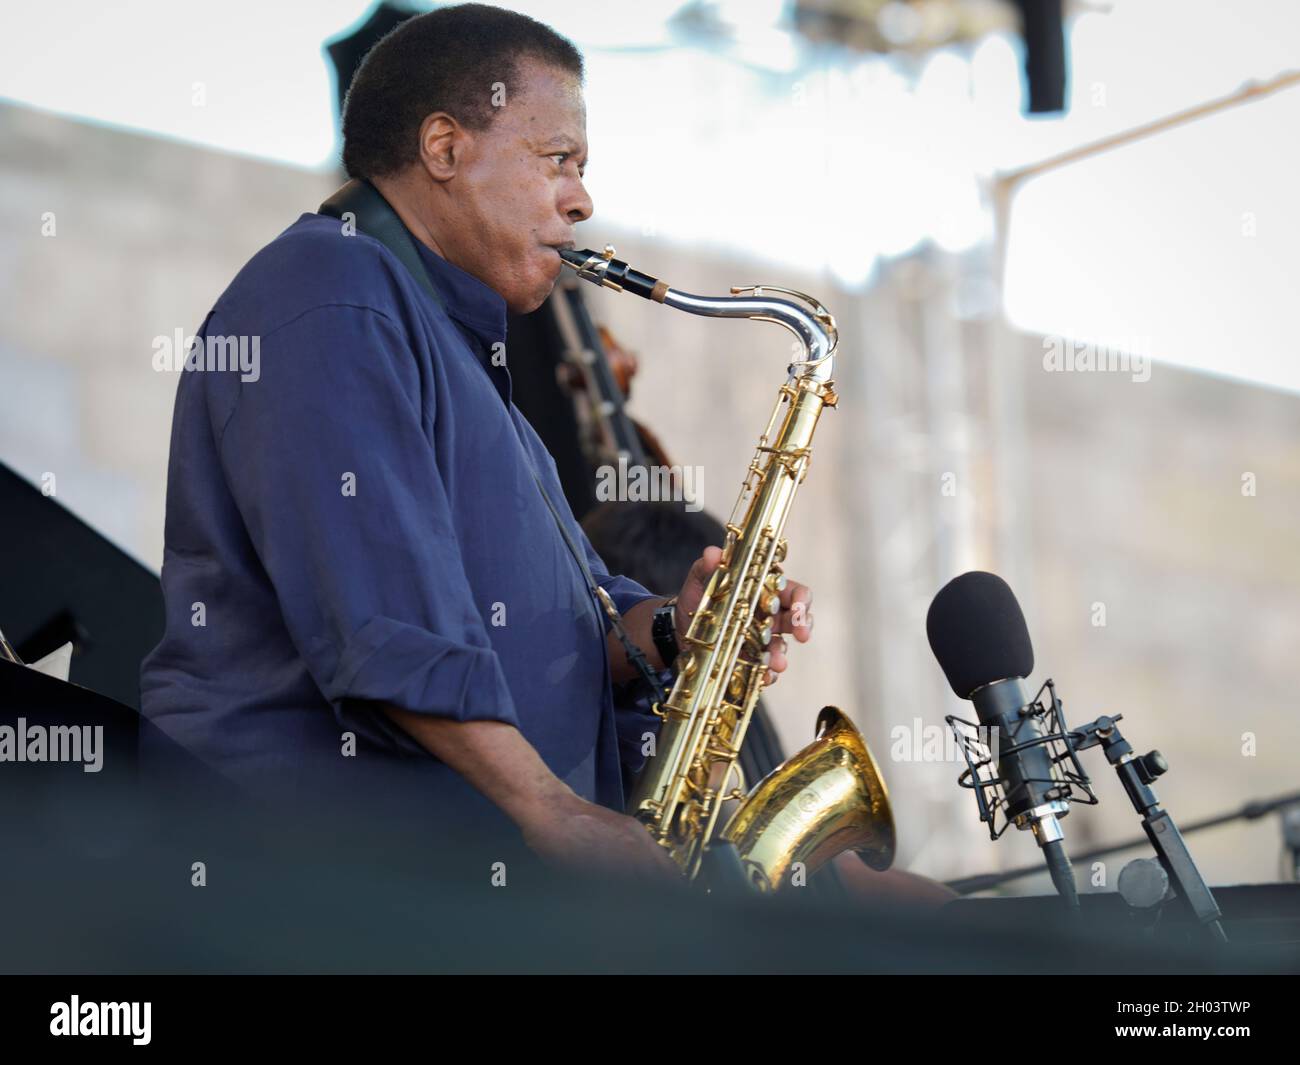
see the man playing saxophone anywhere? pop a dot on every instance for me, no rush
(366, 590)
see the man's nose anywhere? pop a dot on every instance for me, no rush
(577, 206)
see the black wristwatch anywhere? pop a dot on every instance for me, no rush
(663, 630)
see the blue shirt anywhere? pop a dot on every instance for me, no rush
(357, 520)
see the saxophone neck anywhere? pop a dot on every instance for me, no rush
(805, 317)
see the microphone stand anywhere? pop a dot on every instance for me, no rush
(1136, 774)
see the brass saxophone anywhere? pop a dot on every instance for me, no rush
(830, 797)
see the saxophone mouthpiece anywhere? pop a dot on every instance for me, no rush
(604, 270)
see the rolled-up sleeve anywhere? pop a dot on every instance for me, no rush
(329, 457)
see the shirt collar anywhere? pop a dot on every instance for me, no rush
(473, 304)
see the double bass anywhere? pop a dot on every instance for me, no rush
(597, 371)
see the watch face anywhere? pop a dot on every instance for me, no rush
(664, 634)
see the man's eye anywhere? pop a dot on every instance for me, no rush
(563, 157)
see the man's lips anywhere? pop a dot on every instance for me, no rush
(559, 259)
(558, 268)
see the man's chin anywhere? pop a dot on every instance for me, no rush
(529, 302)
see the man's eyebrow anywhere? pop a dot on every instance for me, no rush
(563, 142)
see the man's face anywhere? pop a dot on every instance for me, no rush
(518, 188)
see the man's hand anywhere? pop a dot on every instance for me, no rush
(795, 615)
(578, 834)
(892, 886)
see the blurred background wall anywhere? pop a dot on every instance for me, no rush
(1147, 526)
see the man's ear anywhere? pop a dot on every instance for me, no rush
(442, 144)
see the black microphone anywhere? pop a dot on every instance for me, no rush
(977, 632)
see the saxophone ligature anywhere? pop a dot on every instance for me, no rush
(830, 797)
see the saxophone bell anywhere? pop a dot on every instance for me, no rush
(827, 799)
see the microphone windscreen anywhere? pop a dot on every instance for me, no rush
(977, 632)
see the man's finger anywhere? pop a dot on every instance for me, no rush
(796, 620)
(706, 564)
(777, 660)
(795, 592)
(803, 631)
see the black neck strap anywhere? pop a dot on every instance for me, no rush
(372, 215)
